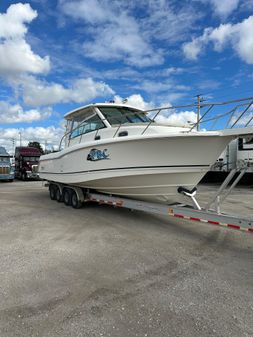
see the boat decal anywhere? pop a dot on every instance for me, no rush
(95, 155)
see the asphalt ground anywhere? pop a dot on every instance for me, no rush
(103, 271)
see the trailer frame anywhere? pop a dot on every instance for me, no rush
(184, 211)
(178, 210)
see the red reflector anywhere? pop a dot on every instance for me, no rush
(195, 219)
(234, 226)
(213, 222)
(250, 229)
(178, 215)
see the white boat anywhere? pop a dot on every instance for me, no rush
(116, 149)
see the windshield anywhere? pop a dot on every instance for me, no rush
(123, 115)
(31, 158)
(5, 159)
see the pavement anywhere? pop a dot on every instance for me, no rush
(102, 271)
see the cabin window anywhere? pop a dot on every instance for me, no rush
(123, 115)
(90, 124)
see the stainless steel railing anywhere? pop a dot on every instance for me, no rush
(239, 113)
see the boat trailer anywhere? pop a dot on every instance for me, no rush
(179, 211)
(76, 197)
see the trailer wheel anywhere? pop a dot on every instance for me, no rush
(67, 196)
(75, 202)
(58, 195)
(52, 192)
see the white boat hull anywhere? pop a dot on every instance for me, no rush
(147, 168)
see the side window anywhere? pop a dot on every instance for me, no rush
(92, 124)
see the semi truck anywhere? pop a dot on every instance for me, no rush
(26, 162)
(6, 169)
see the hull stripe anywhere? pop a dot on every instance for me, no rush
(125, 168)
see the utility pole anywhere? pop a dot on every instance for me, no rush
(20, 141)
(45, 146)
(13, 146)
(200, 100)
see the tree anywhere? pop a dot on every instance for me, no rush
(37, 145)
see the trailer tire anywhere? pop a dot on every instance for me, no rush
(52, 192)
(67, 194)
(75, 202)
(58, 194)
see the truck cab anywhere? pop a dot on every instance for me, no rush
(6, 169)
(26, 162)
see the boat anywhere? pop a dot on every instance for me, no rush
(117, 149)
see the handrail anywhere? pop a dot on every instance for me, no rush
(202, 117)
(245, 110)
(209, 106)
(201, 104)
(151, 121)
(205, 118)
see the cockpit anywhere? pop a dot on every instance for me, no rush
(99, 117)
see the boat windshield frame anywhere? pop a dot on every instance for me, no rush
(126, 115)
(86, 125)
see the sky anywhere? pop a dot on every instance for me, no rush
(57, 55)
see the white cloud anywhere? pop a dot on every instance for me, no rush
(152, 86)
(50, 135)
(16, 55)
(224, 7)
(15, 114)
(177, 118)
(122, 40)
(91, 11)
(116, 34)
(239, 36)
(135, 100)
(167, 22)
(12, 23)
(243, 41)
(36, 92)
(192, 49)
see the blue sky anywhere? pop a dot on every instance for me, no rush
(58, 55)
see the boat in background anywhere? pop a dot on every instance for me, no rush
(117, 149)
